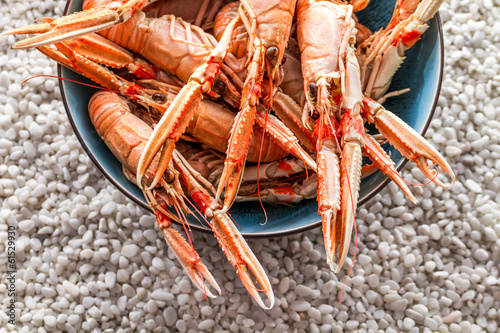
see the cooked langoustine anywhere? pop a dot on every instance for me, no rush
(381, 55)
(337, 90)
(333, 93)
(126, 136)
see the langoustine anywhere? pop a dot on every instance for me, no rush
(347, 108)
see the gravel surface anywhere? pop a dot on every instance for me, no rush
(88, 259)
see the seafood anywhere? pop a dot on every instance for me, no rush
(191, 72)
(126, 135)
(102, 14)
(333, 92)
(268, 24)
(381, 55)
(205, 111)
(190, 54)
(330, 85)
(185, 59)
(279, 182)
(285, 100)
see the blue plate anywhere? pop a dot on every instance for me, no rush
(421, 71)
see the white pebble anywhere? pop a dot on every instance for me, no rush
(453, 316)
(50, 321)
(110, 279)
(410, 260)
(206, 324)
(162, 295)
(453, 151)
(473, 186)
(108, 208)
(26, 225)
(408, 323)
(435, 231)
(481, 254)
(71, 288)
(129, 250)
(35, 130)
(86, 254)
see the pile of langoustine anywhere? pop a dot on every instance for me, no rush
(211, 74)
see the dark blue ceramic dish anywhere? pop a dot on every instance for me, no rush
(421, 71)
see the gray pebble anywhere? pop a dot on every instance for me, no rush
(300, 306)
(170, 316)
(206, 324)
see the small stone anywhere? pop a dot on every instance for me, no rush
(408, 324)
(418, 317)
(108, 208)
(110, 279)
(328, 287)
(452, 317)
(429, 266)
(39, 190)
(122, 275)
(26, 225)
(130, 250)
(378, 314)
(410, 260)
(247, 322)
(461, 284)
(351, 324)
(490, 234)
(492, 326)
(422, 309)
(364, 259)
(185, 286)
(183, 299)
(473, 186)
(206, 324)
(170, 316)
(181, 325)
(50, 321)
(314, 314)
(48, 292)
(453, 151)
(73, 319)
(358, 281)
(373, 280)
(435, 231)
(325, 309)
(35, 130)
(121, 303)
(430, 323)
(481, 254)
(135, 316)
(71, 288)
(284, 285)
(162, 295)
(206, 310)
(86, 254)
(302, 290)
(300, 306)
